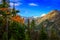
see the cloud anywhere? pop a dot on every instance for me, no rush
(43, 14)
(0, 0)
(16, 4)
(39, 16)
(33, 4)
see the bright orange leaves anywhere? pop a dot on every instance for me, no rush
(3, 9)
(14, 18)
(18, 19)
(6, 10)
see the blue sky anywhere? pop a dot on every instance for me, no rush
(36, 8)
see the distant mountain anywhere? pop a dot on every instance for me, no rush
(50, 21)
(51, 16)
(30, 19)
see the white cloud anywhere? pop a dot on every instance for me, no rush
(16, 4)
(39, 16)
(0, 0)
(33, 4)
(43, 14)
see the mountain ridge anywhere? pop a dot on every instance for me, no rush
(52, 16)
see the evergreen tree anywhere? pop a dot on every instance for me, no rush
(53, 35)
(43, 34)
(16, 31)
(5, 12)
(33, 24)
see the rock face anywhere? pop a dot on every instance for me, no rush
(50, 21)
(51, 16)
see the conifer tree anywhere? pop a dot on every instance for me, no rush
(17, 31)
(53, 35)
(33, 24)
(43, 34)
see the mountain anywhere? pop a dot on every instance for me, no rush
(51, 16)
(30, 19)
(51, 21)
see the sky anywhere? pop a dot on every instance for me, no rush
(36, 8)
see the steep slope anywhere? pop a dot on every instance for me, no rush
(51, 16)
(49, 22)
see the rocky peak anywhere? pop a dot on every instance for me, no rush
(51, 16)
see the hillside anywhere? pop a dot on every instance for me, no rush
(51, 16)
(51, 21)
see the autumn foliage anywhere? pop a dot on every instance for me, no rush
(17, 18)
(3, 9)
